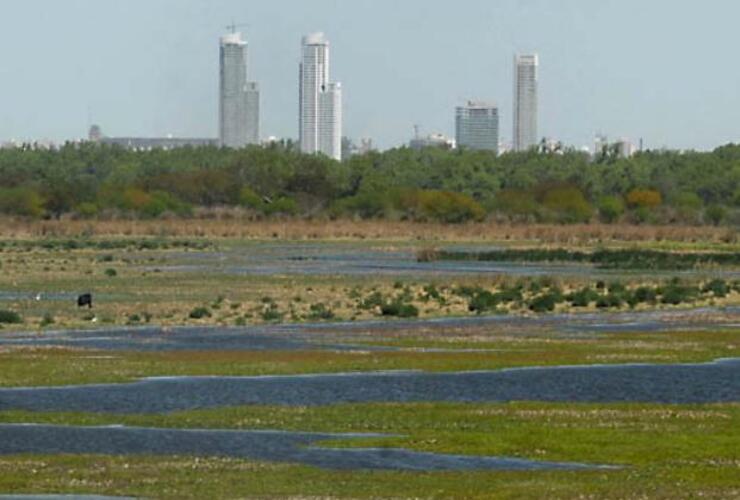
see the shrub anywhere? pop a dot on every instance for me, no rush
(248, 198)
(611, 208)
(544, 303)
(47, 320)
(718, 287)
(584, 297)
(675, 294)
(21, 201)
(87, 210)
(374, 300)
(10, 318)
(282, 206)
(645, 295)
(441, 206)
(400, 310)
(715, 214)
(609, 301)
(272, 313)
(484, 301)
(321, 312)
(431, 293)
(111, 273)
(567, 205)
(200, 313)
(644, 198)
(516, 203)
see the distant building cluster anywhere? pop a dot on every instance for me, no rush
(477, 123)
(320, 113)
(320, 109)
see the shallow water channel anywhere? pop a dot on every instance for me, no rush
(291, 447)
(671, 384)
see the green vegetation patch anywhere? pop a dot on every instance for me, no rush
(602, 259)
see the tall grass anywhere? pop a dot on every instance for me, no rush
(229, 225)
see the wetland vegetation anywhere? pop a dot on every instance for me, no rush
(324, 313)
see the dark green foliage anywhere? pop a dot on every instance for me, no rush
(645, 295)
(399, 309)
(107, 244)
(272, 313)
(609, 301)
(675, 293)
(719, 288)
(431, 293)
(583, 297)
(319, 312)
(716, 214)
(603, 259)
(111, 273)
(10, 318)
(484, 301)
(545, 303)
(200, 313)
(436, 185)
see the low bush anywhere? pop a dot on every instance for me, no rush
(400, 310)
(272, 313)
(583, 297)
(200, 313)
(484, 301)
(319, 312)
(719, 288)
(544, 303)
(610, 301)
(10, 318)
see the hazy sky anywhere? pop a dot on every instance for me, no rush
(665, 70)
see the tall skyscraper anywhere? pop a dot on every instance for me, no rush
(525, 101)
(320, 113)
(477, 126)
(239, 99)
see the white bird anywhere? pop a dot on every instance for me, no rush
(38, 297)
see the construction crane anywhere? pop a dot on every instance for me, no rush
(233, 27)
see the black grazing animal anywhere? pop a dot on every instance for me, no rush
(85, 300)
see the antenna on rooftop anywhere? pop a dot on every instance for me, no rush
(234, 26)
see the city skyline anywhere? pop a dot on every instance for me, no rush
(156, 75)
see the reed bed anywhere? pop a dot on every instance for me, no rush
(230, 226)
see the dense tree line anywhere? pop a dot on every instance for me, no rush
(94, 180)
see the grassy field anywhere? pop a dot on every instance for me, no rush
(665, 451)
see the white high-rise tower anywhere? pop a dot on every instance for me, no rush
(239, 99)
(525, 101)
(320, 113)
